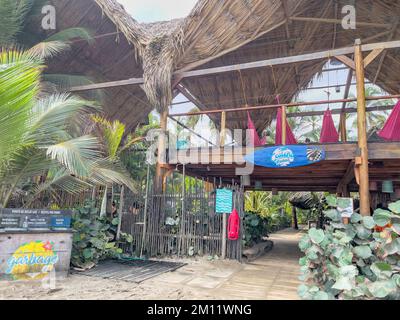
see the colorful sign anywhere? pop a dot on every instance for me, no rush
(32, 261)
(223, 201)
(287, 156)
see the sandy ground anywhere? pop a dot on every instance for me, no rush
(273, 276)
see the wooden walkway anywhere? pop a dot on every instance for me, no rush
(271, 277)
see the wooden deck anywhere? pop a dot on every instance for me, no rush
(327, 175)
(271, 277)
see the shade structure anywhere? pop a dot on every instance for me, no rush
(329, 133)
(391, 129)
(255, 139)
(290, 139)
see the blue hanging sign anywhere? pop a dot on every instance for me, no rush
(223, 201)
(287, 156)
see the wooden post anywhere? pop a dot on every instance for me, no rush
(162, 149)
(223, 129)
(362, 131)
(283, 125)
(343, 136)
(121, 207)
(224, 215)
(294, 213)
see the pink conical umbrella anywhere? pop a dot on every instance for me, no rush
(329, 133)
(391, 129)
(290, 139)
(257, 142)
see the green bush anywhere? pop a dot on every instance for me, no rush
(256, 227)
(94, 237)
(359, 260)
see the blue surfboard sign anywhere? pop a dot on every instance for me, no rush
(289, 156)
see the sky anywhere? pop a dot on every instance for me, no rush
(158, 10)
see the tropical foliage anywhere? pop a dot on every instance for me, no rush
(359, 260)
(41, 148)
(94, 239)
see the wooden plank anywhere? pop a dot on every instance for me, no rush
(291, 59)
(371, 57)
(249, 65)
(346, 60)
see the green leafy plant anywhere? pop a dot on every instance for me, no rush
(256, 227)
(94, 237)
(359, 260)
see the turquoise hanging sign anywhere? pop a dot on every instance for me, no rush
(223, 201)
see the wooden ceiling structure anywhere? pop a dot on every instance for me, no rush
(142, 66)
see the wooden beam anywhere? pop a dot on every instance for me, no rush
(162, 147)
(371, 57)
(294, 104)
(347, 178)
(391, 35)
(362, 131)
(337, 111)
(283, 125)
(343, 126)
(291, 59)
(105, 85)
(339, 21)
(223, 129)
(346, 60)
(249, 65)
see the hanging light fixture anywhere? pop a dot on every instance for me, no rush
(387, 186)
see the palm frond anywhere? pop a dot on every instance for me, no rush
(19, 78)
(12, 16)
(106, 172)
(50, 117)
(69, 34)
(76, 154)
(61, 179)
(49, 49)
(112, 132)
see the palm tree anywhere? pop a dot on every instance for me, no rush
(36, 140)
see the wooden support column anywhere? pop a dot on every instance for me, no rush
(294, 213)
(362, 131)
(283, 125)
(162, 149)
(224, 215)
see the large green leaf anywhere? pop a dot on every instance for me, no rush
(382, 217)
(363, 252)
(395, 207)
(316, 235)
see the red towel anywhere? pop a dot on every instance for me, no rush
(290, 139)
(255, 139)
(329, 133)
(391, 129)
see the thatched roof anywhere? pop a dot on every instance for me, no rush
(218, 33)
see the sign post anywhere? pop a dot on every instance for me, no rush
(223, 205)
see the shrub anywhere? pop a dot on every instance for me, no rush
(256, 227)
(359, 260)
(94, 237)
